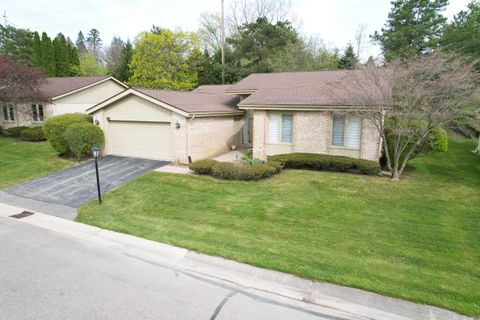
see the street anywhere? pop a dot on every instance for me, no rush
(48, 275)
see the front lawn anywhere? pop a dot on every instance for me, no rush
(416, 239)
(21, 161)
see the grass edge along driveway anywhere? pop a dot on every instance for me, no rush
(416, 239)
(21, 161)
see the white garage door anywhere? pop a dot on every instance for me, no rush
(140, 140)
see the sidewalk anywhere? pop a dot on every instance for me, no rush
(358, 303)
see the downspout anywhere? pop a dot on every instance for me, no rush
(188, 138)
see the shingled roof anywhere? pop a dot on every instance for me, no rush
(287, 89)
(54, 87)
(205, 99)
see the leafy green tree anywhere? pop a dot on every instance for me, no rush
(89, 66)
(37, 50)
(17, 43)
(258, 41)
(49, 68)
(94, 43)
(462, 35)
(348, 60)
(169, 60)
(73, 59)
(413, 27)
(122, 70)
(80, 44)
(62, 55)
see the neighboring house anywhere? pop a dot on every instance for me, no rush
(67, 95)
(170, 125)
(306, 112)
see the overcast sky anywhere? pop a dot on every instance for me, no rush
(335, 21)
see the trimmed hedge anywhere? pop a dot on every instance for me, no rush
(15, 131)
(316, 161)
(33, 134)
(236, 171)
(82, 137)
(54, 129)
(203, 166)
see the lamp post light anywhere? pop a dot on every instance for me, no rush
(96, 153)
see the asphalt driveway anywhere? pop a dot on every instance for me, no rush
(62, 192)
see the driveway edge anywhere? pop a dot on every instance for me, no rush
(355, 301)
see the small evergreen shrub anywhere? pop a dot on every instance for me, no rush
(54, 129)
(316, 161)
(15, 131)
(238, 171)
(82, 137)
(33, 134)
(202, 166)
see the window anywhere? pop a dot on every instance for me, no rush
(8, 114)
(346, 131)
(280, 128)
(37, 112)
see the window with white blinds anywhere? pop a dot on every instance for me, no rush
(280, 128)
(347, 131)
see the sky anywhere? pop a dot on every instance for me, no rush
(334, 21)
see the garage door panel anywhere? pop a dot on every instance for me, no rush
(140, 139)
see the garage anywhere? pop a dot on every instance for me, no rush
(137, 139)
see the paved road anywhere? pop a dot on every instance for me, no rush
(60, 193)
(47, 275)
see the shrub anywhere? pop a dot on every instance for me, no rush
(15, 131)
(237, 171)
(33, 134)
(277, 165)
(54, 129)
(81, 137)
(202, 166)
(322, 161)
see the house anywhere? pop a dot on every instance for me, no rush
(66, 94)
(170, 125)
(272, 113)
(300, 112)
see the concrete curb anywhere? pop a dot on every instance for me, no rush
(357, 302)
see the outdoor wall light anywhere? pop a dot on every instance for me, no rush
(177, 125)
(96, 122)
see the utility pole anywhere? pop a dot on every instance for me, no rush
(5, 17)
(222, 45)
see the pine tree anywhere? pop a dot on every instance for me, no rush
(413, 27)
(62, 56)
(37, 50)
(348, 60)
(48, 56)
(80, 43)
(73, 58)
(94, 43)
(122, 71)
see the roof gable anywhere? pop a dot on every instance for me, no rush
(58, 87)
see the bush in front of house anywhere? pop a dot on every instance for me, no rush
(54, 129)
(33, 134)
(203, 166)
(82, 137)
(316, 161)
(15, 131)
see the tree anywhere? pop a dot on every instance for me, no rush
(62, 56)
(462, 34)
(17, 43)
(49, 68)
(413, 27)
(74, 61)
(89, 66)
(419, 96)
(114, 54)
(37, 50)
(348, 60)
(122, 70)
(361, 39)
(94, 43)
(20, 84)
(169, 60)
(80, 44)
(256, 42)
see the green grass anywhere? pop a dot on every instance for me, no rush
(21, 161)
(416, 239)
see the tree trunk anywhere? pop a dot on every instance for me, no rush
(477, 150)
(395, 172)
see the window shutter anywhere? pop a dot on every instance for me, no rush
(274, 127)
(287, 125)
(338, 130)
(354, 131)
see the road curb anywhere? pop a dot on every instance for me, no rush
(355, 301)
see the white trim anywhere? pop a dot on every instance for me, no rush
(89, 86)
(293, 108)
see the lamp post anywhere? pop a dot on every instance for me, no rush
(96, 153)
